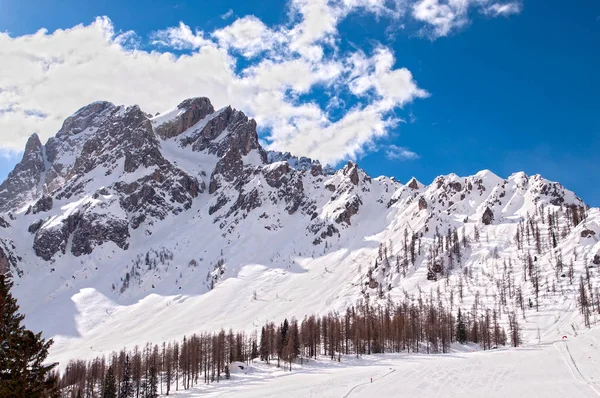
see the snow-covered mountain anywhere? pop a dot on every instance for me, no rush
(127, 227)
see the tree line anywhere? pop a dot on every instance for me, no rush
(417, 324)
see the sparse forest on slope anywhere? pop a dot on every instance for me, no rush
(133, 228)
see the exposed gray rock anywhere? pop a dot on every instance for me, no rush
(49, 241)
(35, 226)
(422, 203)
(350, 209)
(456, 186)
(23, 182)
(4, 223)
(413, 184)
(300, 163)
(94, 230)
(8, 259)
(488, 216)
(43, 204)
(351, 170)
(587, 233)
(275, 176)
(196, 109)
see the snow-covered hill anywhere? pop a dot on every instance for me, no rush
(126, 228)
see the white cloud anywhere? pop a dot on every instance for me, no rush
(505, 9)
(249, 36)
(441, 17)
(45, 77)
(394, 87)
(180, 38)
(394, 152)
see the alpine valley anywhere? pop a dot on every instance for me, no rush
(126, 228)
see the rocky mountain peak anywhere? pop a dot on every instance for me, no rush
(84, 117)
(23, 183)
(187, 114)
(33, 146)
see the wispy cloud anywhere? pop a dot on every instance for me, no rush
(443, 17)
(227, 15)
(505, 9)
(394, 152)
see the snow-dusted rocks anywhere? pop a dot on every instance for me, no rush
(300, 163)
(23, 183)
(186, 115)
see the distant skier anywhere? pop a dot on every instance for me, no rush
(371, 380)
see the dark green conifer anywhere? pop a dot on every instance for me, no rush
(22, 353)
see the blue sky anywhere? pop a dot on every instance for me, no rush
(431, 88)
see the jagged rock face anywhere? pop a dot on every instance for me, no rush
(42, 205)
(300, 163)
(351, 170)
(156, 195)
(23, 183)
(85, 230)
(49, 241)
(3, 223)
(8, 260)
(351, 209)
(193, 110)
(94, 230)
(413, 184)
(422, 203)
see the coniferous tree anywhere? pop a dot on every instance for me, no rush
(461, 328)
(152, 385)
(264, 346)
(254, 353)
(126, 390)
(22, 353)
(110, 384)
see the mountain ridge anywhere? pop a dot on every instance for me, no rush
(128, 211)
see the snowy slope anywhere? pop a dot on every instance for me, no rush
(143, 228)
(565, 368)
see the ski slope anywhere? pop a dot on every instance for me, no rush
(561, 368)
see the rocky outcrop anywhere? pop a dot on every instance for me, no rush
(86, 231)
(351, 170)
(4, 223)
(422, 203)
(8, 260)
(23, 183)
(350, 209)
(413, 184)
(194, 110)
(94, 230)
(488, 216)
(85, 118)
(587, 233)
(300, 163)
(42, 205)
(50, 240)
(35, 226)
